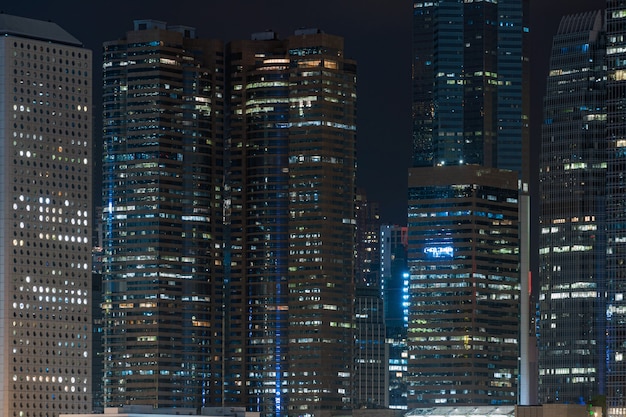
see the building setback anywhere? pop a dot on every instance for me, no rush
(292, 178)
(162, 202)
(572, 358)
(45, 207)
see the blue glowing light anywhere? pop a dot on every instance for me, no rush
(439, 251)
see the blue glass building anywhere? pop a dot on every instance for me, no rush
(572, 245)
(395, 289)
(616, 201)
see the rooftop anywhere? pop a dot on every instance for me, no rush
(35, 29)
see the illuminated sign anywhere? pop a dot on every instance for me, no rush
(439, 251)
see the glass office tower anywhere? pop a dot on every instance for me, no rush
(162, 184)
(45, 211)
(616, 201)
(292, 176)
(572, 273)
(470, 102)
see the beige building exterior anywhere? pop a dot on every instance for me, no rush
(45, 220)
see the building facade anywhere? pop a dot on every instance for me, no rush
(395, 289)
(370, 354)
(616, 200)
(464, 287)
(45, 207)
(470, 83)
(292, 215)
(162, 215)
(367, 241)
(573, 167)
(470, 120)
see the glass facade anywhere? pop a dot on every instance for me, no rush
(463, 258)
(395, 288)
(45, 211)
(616, 201)
(573, 166)
(370, 360)
(162, 186)
(469, 83)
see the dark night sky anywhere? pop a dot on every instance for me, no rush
(378, 36)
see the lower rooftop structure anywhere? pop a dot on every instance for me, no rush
(465, 411)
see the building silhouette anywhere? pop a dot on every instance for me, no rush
(292, 221)
(163, 110)
(46, 129)
(572, 243)
(470, 119)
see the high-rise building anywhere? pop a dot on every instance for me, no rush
(395, 289)
(46, 206)
(464, 287)
(292, 178)
(367, 242)
(470, 100)
(470, 119)
(370, 355)
(162, 213)
(573, 166)
(615, 203)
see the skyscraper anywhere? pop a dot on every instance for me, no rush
(46, 206)
(162, 186)
(616, 201)
(292, 176)
(464, 287)
(572, 356)
(470, 100)
(470, 118)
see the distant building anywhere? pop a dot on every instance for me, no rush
(395, 289)
(572, 245)
(370, 355)
(162, 201)
(367, 241)
(46, 206)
